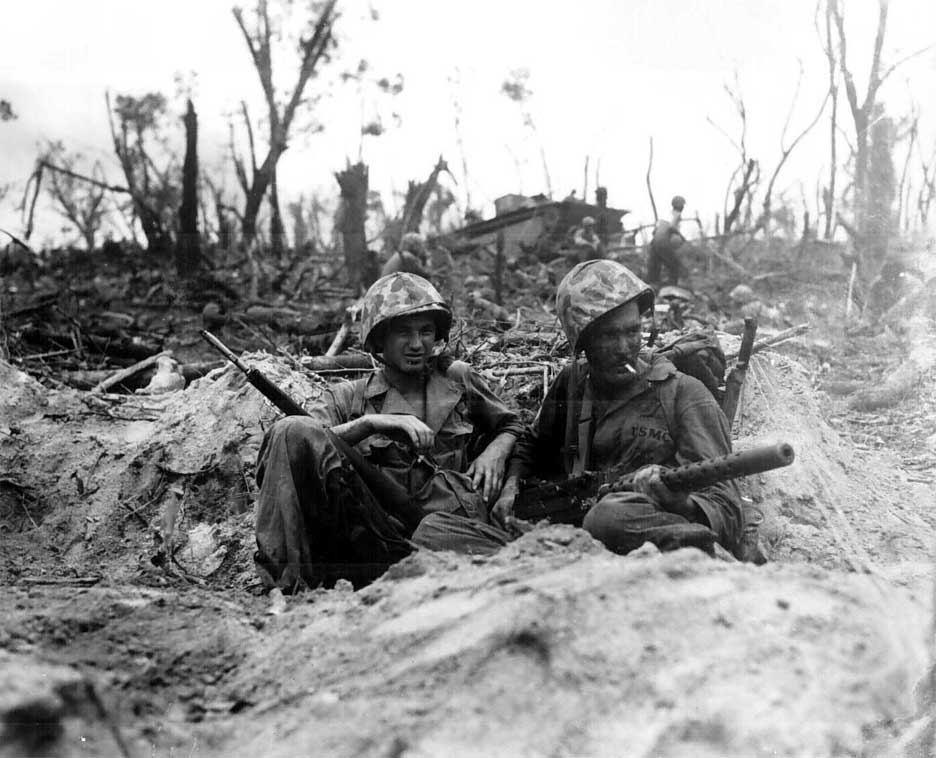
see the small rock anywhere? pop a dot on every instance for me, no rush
(277, 602)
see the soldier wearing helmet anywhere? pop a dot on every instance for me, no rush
(410, 258)
(623, 409)
(416, 418)
(586, 243)
(665, 247)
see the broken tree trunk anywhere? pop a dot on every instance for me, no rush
(417, 196)
(353, 184)
(277, 230)
(188, 253)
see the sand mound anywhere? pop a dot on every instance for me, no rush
(552, 647)
(556, 647)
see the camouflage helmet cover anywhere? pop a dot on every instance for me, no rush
(594, 288)
(401, 294)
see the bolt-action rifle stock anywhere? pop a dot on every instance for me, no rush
(391, 495)
(568, 501)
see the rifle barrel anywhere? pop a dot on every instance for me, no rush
(223, 349)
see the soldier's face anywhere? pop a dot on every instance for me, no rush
(409, 343)
(613, 344)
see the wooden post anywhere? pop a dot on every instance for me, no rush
(499, 269)
(851, 289)
(585, 183)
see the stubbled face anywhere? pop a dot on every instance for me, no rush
(408, 343)
(612, 345)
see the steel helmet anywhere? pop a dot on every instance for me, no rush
(674, 292)
(742, 294)
(594, 288)
(401, 294)
(588, 221)
(678, 202)
(413, 242)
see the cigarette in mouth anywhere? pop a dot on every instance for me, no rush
(629, 368)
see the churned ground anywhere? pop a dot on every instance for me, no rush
(129, 625)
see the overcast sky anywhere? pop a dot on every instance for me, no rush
(606, 75)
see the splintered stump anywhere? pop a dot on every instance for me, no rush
(353, 183)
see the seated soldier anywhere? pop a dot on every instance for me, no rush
(585, 242)
(623, 412)
(412, 420)
(410, 258)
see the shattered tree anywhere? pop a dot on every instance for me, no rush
(353, 183)
(188, 249)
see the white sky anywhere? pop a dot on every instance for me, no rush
(606, 75)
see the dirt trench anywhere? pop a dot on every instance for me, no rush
(126, 559)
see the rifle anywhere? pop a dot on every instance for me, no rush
(394, 497)
(735, 380)
(567, 502)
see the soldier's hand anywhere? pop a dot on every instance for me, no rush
(649, 482)
(502, 510)
(416, 431)
(487, 472)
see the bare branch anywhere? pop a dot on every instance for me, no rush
(789, 116)
(649, 187)
(312, 51)
(874, 79)
(725, 134)
(260, 51)
(82, 177)
(851, 91)
(239, 170)
(250, 135)
(785, 153)
(903, 60)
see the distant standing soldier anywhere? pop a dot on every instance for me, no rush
(664, 247)
(409, 259)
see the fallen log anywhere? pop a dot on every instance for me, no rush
(840, 387)
(87, 380)
(126, 373)
(897, 387)
(282, 319)
(905, 380)
(776, 339)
